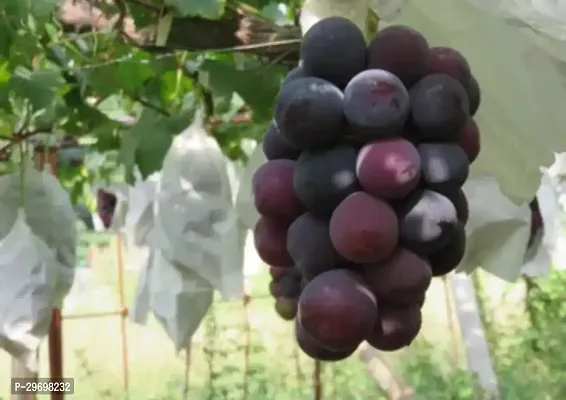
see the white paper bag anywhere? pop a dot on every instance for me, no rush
(195, 223)
(37, 257)
(195, 238)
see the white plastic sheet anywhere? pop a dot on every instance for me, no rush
(551, 196)
(193, 296)
(245, 201)
(497, 231)
(195, 220)
(545, 16)
(186, 216)
(37, 258)
(138, 219)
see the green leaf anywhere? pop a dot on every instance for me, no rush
(230, 136)
(85, 119)
(228, 109)
(103, 80)
(149, 140)
(14, 11)
(131, 74)
(7, 123)
(107, 135)
(174, 86)
(210, 9)
(258, 86)
(39, 87)
(274, 12)
(141, 15)
(42, 9)
(22, 11)
(113, 107)
(6, 33)
(5, 74)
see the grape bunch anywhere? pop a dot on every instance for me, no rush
(360, 200)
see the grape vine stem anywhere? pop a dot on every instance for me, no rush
(18, 138)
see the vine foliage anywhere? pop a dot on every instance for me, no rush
(118, 79)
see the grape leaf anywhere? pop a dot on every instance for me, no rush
(42, 9)
(211, 9)
(113, 107)
(173, 86)
(141, 15)
(40, 87)
(134, 72)
(150, 139)
(8, 122)
(20, 11)
(231, 136)
(83, 85)
(107, 136)
(5, 37)
(273, 12)
(5, 74)
(258, 86)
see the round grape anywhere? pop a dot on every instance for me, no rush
(324, 178)
(270, 239)
(449, 257)
(276, 147)
(427, 221)
(334, 49)
(316, 350)
(396, 328)
(439, 108)
(444, 166)
(309, 112)
(401, 279)
(449, 61)
(469, 140)
(389, 169)
(274, 195)
(376, 104)
(364, 229)
(309, 244)
(400, 50)
(337, 310)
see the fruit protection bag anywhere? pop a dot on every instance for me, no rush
(37, 258)
(196, 241)
(551, 242)
(137, 200)
(245, 201)
(517, 50)
(138, 218)
(545, 16)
